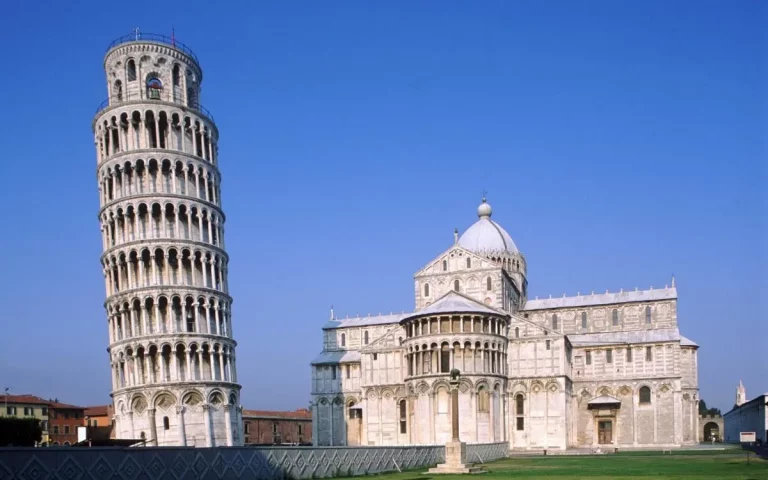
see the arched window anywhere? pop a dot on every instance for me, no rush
(117, 92)
(343, 339)
(130, 70)
(519, 412)
(154, 88)
(403, 422)
(176, 76)
(445, 265)
(166, 423)
(426, 289)
(648, 315)
(469, 262)
(365, 337)
(554, 321)
(517, 332)
(645, 395)
(583, 319)
(483, 401)
(488, 284)
(456, 285)
(191, 97)
(445, 358)
(615, 317)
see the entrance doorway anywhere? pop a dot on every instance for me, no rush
(711, 431)
(604, 431)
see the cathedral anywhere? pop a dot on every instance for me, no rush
(601, 369)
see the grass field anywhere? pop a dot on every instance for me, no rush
(624, 466)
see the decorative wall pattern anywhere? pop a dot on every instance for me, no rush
(486, 452)
(263, 463)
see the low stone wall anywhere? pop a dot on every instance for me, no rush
(215, 463)
(487, 452)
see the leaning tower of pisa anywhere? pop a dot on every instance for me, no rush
(171, 348)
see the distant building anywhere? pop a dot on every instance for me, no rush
(262, 427)
(712, 427)
(747, 416)
(99, 416)
(26, 406)
(98, 426)
(64, 420)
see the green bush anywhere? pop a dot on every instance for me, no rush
(20, 432)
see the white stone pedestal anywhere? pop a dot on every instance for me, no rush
(456, 460)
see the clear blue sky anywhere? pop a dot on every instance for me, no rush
(620, 142)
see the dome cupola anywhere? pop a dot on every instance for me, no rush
(486, 236)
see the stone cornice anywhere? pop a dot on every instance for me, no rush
(175, 385)
(163, 243)
(107, 111)
(467, 336)
(159, 339)
(169, 291)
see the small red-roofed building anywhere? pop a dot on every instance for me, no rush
(63, 422)
(26, 406)
(265, 427)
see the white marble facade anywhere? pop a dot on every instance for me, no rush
(171, 347)
(606, 369)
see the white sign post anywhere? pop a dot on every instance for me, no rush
(747, 437)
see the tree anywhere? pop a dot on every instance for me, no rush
(20, 432)
(703, 410)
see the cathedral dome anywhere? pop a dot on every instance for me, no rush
(485, 235)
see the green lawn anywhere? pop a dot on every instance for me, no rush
(701, 465)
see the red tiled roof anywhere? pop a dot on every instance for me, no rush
(26, 398)
(300, 414)
(34, 400)
(64, 406)
(97, 411)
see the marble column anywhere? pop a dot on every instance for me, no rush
(315, 422)
(152, 427)
(207, 421)
(182, 428)
(228, 422)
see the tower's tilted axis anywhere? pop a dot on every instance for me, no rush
(171, 348)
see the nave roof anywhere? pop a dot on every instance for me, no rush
(667, 293)
(628, 336)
